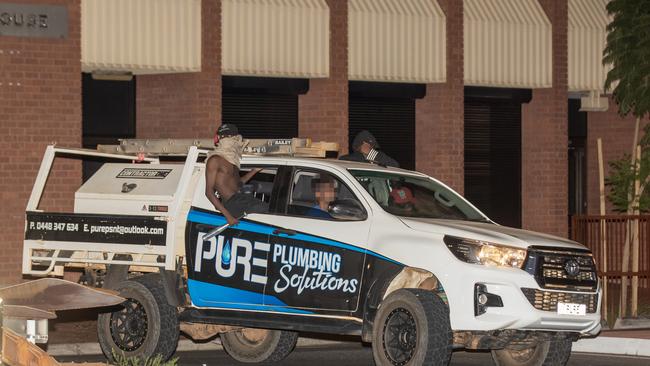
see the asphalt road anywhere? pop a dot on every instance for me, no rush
(354, 355)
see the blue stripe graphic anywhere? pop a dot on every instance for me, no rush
(205, 294)
(215, 219)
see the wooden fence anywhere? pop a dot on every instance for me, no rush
(588, 230)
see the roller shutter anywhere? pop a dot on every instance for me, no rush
(387, 110)
(262, 107)
(391, 121)
(493, 157)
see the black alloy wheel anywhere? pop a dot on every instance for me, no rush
(400, 336)
(129, 326)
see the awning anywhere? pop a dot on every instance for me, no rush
(508, 43)
(143, 37)
(281, 38)
(396, 40)
(588, 21)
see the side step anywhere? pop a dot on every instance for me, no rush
(297, 323)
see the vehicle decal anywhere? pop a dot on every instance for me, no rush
(95, 228)
(213, 218)
(229, 295)
(143, 173)
(256, 267)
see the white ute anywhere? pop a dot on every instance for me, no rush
(397, 258)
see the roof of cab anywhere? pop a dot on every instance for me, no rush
(345, 164)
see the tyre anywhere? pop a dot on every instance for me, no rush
(259, 345)
(546, 353)
(145, 325)
(412, 328)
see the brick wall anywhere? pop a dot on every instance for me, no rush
(439, 116)
(186, 105)
(617, 133)
(545, 140)
(40, 102)
(323, 111)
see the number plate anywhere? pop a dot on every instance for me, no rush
(564, 308)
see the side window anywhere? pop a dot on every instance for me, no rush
(320, 195)
(258, 181)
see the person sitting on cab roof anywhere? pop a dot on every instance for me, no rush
(222, 177)
(365, 147)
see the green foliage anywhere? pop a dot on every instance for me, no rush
(628, 51)
(122, 360)
(621, 177)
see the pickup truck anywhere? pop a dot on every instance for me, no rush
(392, 256)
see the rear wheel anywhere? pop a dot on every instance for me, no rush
(144, 326)
(259, 345)
(545, 353)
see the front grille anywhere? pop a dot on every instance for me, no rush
(549, 266)
(548, 300)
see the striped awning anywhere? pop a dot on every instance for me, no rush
(280, 38)
(396, 41)
(508, 43)
(588, 21)
(141, 37)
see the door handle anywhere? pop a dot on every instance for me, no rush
(284, 231)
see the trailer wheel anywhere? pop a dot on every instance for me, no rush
(412, 327)
(145, 325)
(546, 353)
(259, 345)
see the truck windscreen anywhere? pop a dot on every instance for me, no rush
(412, 196)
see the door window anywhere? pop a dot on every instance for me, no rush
(320, 195)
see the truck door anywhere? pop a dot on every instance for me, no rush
(317, 258)
(229, 270)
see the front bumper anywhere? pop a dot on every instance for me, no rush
(517, 311)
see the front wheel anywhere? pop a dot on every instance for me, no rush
(259, 345)
(412, 328)
(545, 353)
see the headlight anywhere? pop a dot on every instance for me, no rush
(481, 252)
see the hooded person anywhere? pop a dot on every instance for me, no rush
(365, 149)
(222, 179)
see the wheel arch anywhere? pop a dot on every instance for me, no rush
(408, 277)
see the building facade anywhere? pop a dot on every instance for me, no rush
(500, 99)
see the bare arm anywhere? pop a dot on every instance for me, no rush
(246, 177)
(211, 168)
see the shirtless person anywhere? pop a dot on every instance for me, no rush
(222, 176)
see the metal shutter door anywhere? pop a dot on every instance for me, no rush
(259, 115)
(493, 159)
(391, 121)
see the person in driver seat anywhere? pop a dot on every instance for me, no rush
(324, 188)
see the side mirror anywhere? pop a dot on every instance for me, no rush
(350, 210)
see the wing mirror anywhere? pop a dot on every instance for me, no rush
(350, 210)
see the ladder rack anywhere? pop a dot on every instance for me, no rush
(298, 147)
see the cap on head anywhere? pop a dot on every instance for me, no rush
(364, 136)
(227, 129)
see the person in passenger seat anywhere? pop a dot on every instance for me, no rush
(324, 189)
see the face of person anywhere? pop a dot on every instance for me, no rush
(365, 148)
(325, 192)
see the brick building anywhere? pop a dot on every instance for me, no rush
(485, 96)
